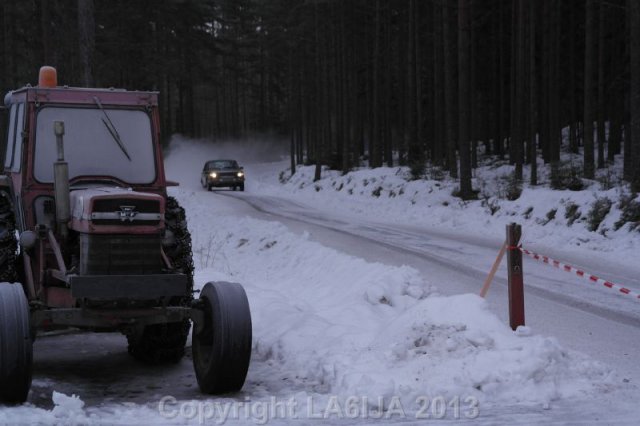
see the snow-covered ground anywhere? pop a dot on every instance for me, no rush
(340, 339)
(551, 218)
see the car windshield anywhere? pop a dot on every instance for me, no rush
(222, 164)
(90, 147)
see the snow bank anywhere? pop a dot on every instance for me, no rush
(328, 323)
(550, 218)
(70, 410)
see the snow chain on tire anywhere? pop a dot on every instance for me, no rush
(180, 251)
(8, 242)
(165, 342)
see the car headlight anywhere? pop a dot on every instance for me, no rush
(213, 175)
(240, 174)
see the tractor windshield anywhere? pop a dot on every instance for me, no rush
(89, 145)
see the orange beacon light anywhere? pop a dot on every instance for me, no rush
(48, 77)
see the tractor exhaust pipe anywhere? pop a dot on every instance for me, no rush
(61, 183)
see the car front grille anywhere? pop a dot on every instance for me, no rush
(227, 174)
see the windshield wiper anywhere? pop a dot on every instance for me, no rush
(111, 128)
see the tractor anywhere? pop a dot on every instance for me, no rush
(90, 240)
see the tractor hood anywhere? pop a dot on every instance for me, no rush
(116, 210)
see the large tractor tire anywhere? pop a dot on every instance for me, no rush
(162, 343)
(8, 242)
(16, 346)
(180, 251)
(222, 344)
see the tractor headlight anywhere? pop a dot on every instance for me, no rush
(240, 174)
(213, 175)
(28, 240)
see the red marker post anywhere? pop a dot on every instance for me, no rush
(516, 282)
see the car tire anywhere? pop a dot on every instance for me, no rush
(222, 344)
(16, 344)
(242, 187)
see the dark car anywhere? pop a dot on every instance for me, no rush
(222, 173)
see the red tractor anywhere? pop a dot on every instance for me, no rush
(89, 239)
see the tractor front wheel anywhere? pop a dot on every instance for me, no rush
(222, 344)
(16, 346)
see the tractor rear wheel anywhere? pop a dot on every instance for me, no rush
(222, 344)
(16, 346)
(8, 242)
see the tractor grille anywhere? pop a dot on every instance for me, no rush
(119, 254)
(114, 205)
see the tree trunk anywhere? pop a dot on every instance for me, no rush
(589, 65)
(48, 50)
(533, 107)
(545, 84)
(602, 102)
(516, 151)
(419, 136)
(503, 105)
(473, 111)
(466, 191)
(439, 147)
(387, 94)
(349, 116)
(554, 123)
(292, 113)
(86, 35)
(513, 84)
(450, 90)
(411, 130)
(318, 169)
(617, 66)
(571, 76)
(632, 172)
(375, 154)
